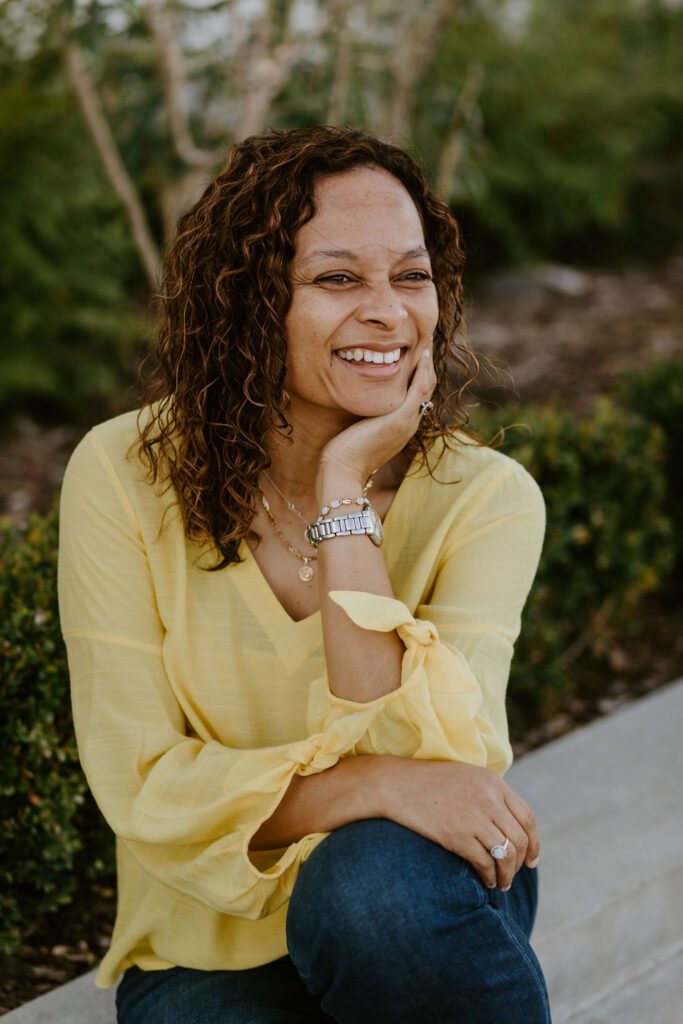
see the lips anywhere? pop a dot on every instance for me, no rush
(372, 348)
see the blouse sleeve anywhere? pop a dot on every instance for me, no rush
(450, 704)
(185, 809)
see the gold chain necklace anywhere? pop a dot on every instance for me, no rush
(290, 504)
(307, 571)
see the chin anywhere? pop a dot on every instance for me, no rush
(375, 405)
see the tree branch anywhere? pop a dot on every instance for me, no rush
(119, 178)
(270, 70)
(343, 65)
(418, 38)
(174, 78)
(461, 115)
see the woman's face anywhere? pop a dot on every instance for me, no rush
(361, 290)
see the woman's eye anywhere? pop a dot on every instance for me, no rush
(416, 275)
(412, 277)
(334, 279)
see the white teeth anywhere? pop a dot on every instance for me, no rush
(369, 356)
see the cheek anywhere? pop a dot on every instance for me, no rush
(307, 353)
(426, 312)
(306, 323)
(310, 327)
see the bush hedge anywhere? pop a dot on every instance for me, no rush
(608, 481)
(657, 395)
(52, 836)
(609, 539)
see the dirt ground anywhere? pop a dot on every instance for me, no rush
(552, 332)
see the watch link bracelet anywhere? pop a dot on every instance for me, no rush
(365, 521)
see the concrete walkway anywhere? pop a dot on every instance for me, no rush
(608, 932)
(608, 801)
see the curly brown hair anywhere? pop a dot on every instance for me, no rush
(217, 389)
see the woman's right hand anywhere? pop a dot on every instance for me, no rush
(466, 809)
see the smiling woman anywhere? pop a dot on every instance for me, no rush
(374, 305)
(289, 641)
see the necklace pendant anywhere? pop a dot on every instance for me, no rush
(306, 573)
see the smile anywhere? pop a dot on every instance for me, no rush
(369, 363)
(368, 355)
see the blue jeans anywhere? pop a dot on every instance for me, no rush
(383, 926)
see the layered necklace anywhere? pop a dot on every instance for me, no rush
(307, 571)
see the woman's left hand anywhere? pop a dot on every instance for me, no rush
(361, 449)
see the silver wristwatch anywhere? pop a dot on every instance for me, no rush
(365, 521)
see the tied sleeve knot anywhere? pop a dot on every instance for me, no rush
(323, 750)
(312, 757)
(439, 698)
(374, 611)
(421, 631)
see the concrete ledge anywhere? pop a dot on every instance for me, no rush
(607, 799)
(653, 993)
(77, 1002)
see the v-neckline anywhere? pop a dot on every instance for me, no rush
(260, 596)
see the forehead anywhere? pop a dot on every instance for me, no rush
(361, 209)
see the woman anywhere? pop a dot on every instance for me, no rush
(298, 732)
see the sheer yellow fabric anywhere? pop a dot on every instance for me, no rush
(196, 697)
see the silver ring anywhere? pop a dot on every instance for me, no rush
(425, 407)
(499, 852)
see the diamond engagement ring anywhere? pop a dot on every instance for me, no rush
(425, 407)
(499, 852)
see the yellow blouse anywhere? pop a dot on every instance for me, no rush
(196, 697)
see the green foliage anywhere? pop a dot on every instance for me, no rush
(573, 150)
(608, 537)
(51, 833)
(657, 394)
(569, 150)
(70, 328)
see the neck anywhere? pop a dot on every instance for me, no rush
(295, 462)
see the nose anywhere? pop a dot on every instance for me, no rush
(382, 307)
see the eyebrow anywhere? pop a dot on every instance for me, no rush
(348, 254)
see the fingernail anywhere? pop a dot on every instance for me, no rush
(491, 886)
(506, 888)
(533, 863)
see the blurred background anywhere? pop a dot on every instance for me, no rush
(552, 127)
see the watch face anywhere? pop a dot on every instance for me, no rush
(377, 535)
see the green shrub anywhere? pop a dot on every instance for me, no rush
(71, 292)
(52, 836)
(608, 538)
(657, 395)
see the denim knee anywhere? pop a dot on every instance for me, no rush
(369, 879)
(372, 876)
(384, 924)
